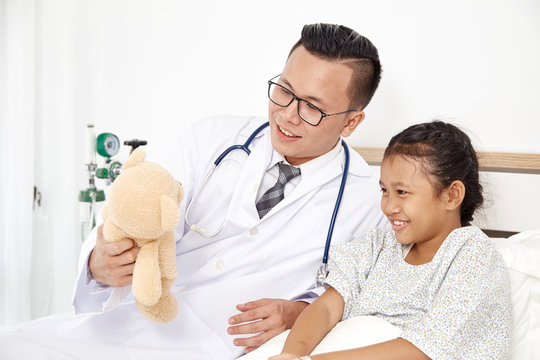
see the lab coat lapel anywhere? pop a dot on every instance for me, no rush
(242, 209)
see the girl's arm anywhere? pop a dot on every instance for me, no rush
(394, 349)
(316, 321)
(313, 324)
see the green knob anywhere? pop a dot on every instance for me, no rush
(102, 173)
(115, 169)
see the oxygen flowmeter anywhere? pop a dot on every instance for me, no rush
(106, 145)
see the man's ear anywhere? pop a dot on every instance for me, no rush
(353, 121)
(454, 195)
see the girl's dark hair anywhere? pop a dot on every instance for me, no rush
(447, 154)
(339, 43)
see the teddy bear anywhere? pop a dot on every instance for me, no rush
(144, 205)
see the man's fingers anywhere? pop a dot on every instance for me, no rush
(112, 263)
(113, 248)
(252, 304)
(119, 247)
(266, 318)
(125, 270)
(127, 257)
(253, 310)
(250, 349)
(255, 341)
(250, 315)
(117, 263)
(249, 328)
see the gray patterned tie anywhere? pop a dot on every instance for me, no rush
(275, 194)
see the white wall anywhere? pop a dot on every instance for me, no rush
(144, 68)
(168, 62)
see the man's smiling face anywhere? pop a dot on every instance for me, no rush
(324, 84)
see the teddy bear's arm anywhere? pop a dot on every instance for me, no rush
(167, 256)
(147, 275)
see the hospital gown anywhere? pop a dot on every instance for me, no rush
(455, 307)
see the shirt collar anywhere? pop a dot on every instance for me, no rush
(312, 165)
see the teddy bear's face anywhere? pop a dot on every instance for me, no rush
(138, 201)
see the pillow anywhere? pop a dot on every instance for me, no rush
(521, 253)
(349, 334)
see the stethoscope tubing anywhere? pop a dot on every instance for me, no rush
(245, 148)
(338, 203)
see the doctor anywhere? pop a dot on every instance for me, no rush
(250, 281)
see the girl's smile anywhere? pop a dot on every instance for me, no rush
(418, 214)
(398, 225)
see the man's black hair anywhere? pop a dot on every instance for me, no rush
(339, 43)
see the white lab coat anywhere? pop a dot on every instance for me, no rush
(252, 258)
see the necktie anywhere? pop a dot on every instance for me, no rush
(275, 194)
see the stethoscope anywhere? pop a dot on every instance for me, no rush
(322, 273)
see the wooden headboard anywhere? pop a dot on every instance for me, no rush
(489, 161)
(519, 163)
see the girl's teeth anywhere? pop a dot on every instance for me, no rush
(399, 223)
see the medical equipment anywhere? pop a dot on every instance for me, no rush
(135, 143)
(323, 269)
(106, 145)
(91, 196)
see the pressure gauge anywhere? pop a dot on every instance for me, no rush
(108, 145)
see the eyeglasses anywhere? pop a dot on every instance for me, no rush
(308, 112)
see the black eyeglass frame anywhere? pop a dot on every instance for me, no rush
(298, 99)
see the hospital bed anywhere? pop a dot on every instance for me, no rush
(512, 183)
(518, 241)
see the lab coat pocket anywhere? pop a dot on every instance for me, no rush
(303, 247)
(209, 207)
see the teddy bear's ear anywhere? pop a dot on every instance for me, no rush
(170, 213)
(137, 156)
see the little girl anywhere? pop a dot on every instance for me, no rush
(433, 275)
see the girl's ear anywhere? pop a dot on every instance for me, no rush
(455, 193)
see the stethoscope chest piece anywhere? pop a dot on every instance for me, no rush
(322, 274)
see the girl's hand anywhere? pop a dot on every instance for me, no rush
(285, 356)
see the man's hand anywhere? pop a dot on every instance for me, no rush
(112, 263)
(268, 317)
